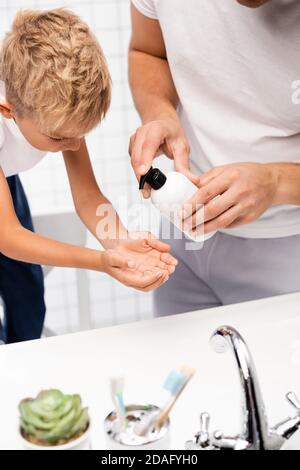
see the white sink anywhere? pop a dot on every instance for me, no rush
(146, 351)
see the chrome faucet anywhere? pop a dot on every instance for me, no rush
(255, 433)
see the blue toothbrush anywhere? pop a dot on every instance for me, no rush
(174, 384)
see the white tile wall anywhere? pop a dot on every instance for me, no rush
(47, 185)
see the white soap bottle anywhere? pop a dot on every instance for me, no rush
(168, 193)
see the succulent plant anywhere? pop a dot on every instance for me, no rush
(52, 418)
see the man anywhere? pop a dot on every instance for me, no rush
(213, 82)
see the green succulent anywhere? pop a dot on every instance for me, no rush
(52, 417)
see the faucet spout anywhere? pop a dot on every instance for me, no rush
(255, 429)
(255, 433)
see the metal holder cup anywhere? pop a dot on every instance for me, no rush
(128, 439)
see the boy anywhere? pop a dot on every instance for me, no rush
(55, 88)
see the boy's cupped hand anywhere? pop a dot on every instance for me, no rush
(142, 262)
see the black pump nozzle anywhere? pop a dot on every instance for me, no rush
(155, 178)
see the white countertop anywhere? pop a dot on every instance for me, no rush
(145, 352)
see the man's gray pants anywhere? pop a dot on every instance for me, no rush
(229, 270)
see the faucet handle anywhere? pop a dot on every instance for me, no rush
(202, 438)
(204, 423)
(287, 428)
(293, 400)
(229, 443)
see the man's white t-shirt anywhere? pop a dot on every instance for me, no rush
(16, 154)
(236, 71)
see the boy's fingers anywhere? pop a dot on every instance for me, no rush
(169, 259)
(156, 285)
(164, 277)
(139, 281)
(150, 240)
(171, 269)
(163, 247)
(137, 245)
(158, 245)
(154, 262)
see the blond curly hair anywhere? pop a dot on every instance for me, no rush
(55, 71)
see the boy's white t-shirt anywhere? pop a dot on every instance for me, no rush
(236, 71)
(16, 154)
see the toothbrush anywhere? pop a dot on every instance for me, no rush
(174, 385)
(117, 389)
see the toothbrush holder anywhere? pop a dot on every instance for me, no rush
(128, 439)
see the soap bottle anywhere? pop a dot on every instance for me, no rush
(168, 193)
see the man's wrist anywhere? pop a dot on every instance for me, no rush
(160, 113)
(286, 177)
(275, 177)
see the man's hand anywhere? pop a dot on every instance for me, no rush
(164, 136)
(232, 195)
(141, 262)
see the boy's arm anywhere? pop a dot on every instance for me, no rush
(22, 245)
(89, 200)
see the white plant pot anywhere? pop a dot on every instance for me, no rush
(82, 443)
